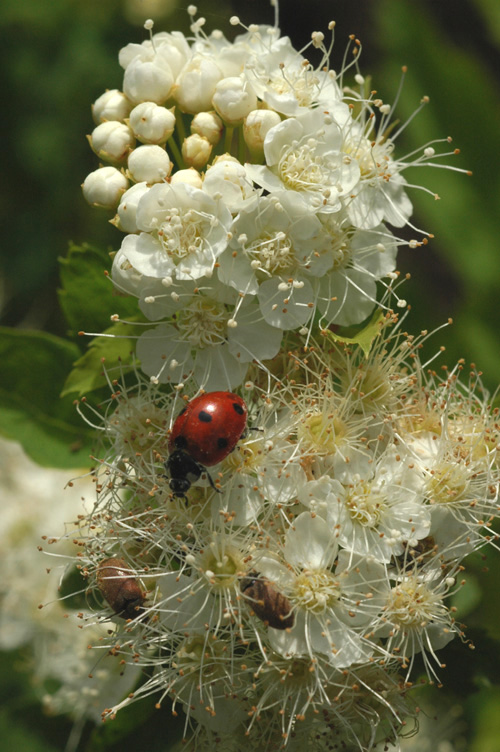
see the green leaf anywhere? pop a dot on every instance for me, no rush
(33, 366)
(87, 296)
(115, 348)
(365, 337)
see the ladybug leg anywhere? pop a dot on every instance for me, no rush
(210, 480)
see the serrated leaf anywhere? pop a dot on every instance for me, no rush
(365, 338)
(116, 347)
(84, 270)
(33, 366)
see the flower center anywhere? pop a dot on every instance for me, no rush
(365, 505)
(203, 322)
(372, 157)
(447, 483)
(135, 425)
(322, 433)
(273, 251)
(302, 169)
(303, 83)
(221, 567)
(371, 384)
(316, 591)
(246, 457)
(412, 604)
(198, 655)
(182, 234)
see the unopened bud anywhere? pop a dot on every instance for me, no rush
(112, 141)
(152, 124)
(112, 105)
(149, 163)
(209, 125)
(104, 187)
(196, 151)
(234, 99)
(255, 128)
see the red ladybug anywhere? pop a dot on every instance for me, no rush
(204, 433)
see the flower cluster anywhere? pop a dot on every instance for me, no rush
(279, 593)
(286, 601)
(255, 190)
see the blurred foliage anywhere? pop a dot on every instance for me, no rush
(56, 58)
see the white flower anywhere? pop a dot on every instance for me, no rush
(189, 232)
(104, 187)
(331, 607)
(376, 514)
(304, 154)
(415, 618)
(286, 81)
(208, 340)
(380, 194)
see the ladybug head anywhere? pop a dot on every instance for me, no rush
(179, 487)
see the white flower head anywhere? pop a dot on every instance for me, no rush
(187, 230)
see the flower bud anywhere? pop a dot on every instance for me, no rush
(112, 141)
(149, 163)
(234, 99)
(148, 81)
(104, 187)
(112, 105)
(196, 151)
(125, 216)
(195, 85)
(255, 127)
(209, 125)
(152, 124)
(190, 177)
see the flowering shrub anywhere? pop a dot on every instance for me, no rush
(284, 600)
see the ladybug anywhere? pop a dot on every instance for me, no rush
(203, 434)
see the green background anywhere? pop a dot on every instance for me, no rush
(59, 56)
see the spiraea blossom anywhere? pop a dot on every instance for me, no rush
(285, 598)
(272, 186)
(275, 584)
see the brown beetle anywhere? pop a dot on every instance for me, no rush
(121, 590)
(273, 608)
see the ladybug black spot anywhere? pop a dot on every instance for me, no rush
(180, 442)
(238, 408)
(222, 443)
(204, 417)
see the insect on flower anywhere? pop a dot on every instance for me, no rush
(203, 434)
(121, 590)
(271, 606)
